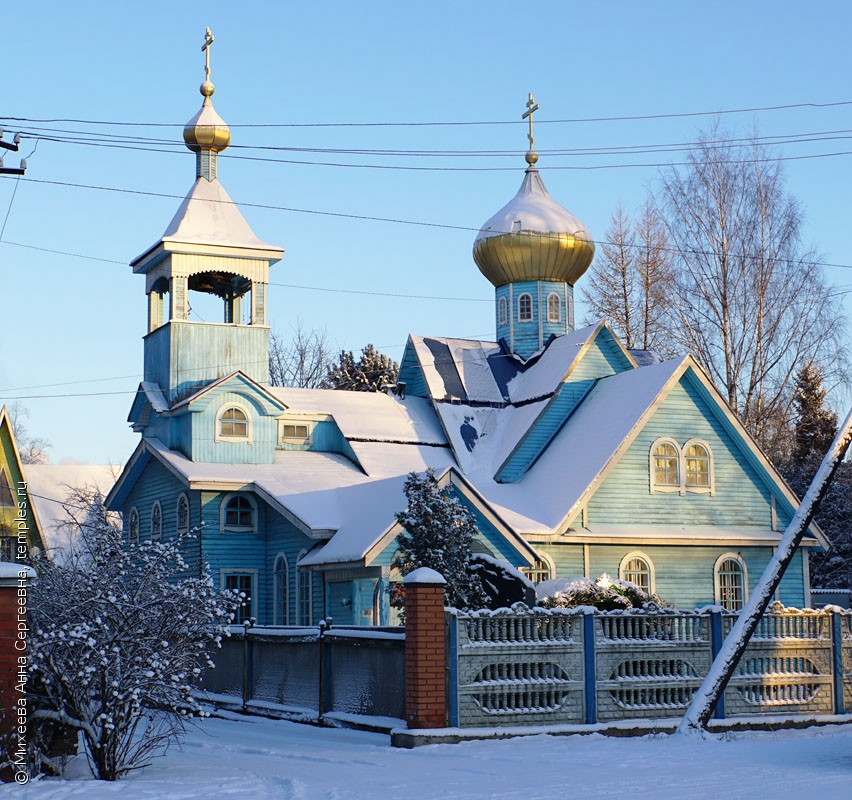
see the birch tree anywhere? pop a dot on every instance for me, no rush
(303, 361)
(750, 302)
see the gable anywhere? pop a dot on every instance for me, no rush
(741, 496)
(16, 506)
(603, 356)
(411, 373)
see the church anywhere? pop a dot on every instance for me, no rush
(577, 456)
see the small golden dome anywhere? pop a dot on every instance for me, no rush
(207, 130)
(533, 238)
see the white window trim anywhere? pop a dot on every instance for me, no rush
(275, 597)
(156, 507)
(182, 496)
(238, 528)
(225, 571)
(545, 558)
(532, 312)
(717, 593)
(652, 468)
(308, 439)
(652, 573)
(299, 571)
(133, 511)
(711, 489)
(558, 317)
(218, 437)
(502, 312)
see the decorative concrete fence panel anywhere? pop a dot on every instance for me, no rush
(843, 665)
(518, 669)
(649, 665)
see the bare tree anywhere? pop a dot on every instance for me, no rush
(751, 303)
(303, 362)
(32, 449)
(631, 281)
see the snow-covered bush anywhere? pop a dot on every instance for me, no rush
(438, 533)
(119, 634)
(605, 593)
(502, 583)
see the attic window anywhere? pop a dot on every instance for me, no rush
(233, 424)
(239, 513)
(665, 466)
(295, 431)
(525, 313)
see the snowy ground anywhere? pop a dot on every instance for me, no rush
(259, 758)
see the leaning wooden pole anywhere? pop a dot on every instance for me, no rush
(723, 666)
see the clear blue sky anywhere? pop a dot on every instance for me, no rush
(69, 319)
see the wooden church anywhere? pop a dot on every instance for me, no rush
(577, 456)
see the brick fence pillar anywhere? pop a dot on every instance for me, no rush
(425, 680)
(13, 663)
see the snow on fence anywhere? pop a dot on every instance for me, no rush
(539, 666)
(310, 673)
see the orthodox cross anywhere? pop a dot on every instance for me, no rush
(532, 107)
(208, 40)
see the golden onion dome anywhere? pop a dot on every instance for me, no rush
(533, 238)
(207, 130)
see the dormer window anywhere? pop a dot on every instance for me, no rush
(295, 431)
(554, 308)
(233, 424)
(525, 313)
(294, 435)
(239, 513)
(503, 312)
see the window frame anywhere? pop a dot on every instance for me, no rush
(182, 497)
(717, 583)
(558, 316)
(243, 613)
(695, 489)
(283, 439)
(652, 467)
(276, 591)
(529, 297)
(133, 526)
(156, 511)
(638, 555)
(502, 312)
(221, 437)
(223, 513)
(543, 566)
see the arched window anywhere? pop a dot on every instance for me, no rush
(525, 313)
(570, 311)
(554, 308)
(239, 513)
(541, 570)
(233, 423)
(133, 527)
(183, 514)
(303, 591)
(698, 466)
(156, 522)
(665, 466)
(503, 311)
(281, 611)
(638, 569)
(731, 582)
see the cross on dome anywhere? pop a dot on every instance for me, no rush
(532, 107)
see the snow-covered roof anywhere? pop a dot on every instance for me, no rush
(208, 216)
(368, 416)
(50, 488)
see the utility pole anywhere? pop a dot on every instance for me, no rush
(13, 146)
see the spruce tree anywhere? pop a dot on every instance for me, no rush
(372, 372)
(816, 425)
(438, 533)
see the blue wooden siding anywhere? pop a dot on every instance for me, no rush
(684, 575)
(284, 537)
(602, 358)
(411, 374)
(559, 328)
(568, 396)
(741, 498)
(567, 559)
(181, 356)
(526, 335)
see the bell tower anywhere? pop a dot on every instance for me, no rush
(208, 247)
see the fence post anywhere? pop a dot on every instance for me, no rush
(452, 629)
(837, 661)
(425, 656)
(248, 664)
(717, 636)
(326, 686)
(589, 668)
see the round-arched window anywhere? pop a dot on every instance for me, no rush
(239, 513)
(503, 312)
(233, 423)
(182, 514)
(554, 308)
(697, 466)
(666, 465)
(133, 527)
(156, 522)
(730, 582)
(525, 313)
(636, 568)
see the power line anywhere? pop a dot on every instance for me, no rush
(449, 123)
(394, 220)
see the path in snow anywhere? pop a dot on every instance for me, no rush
(259, 758)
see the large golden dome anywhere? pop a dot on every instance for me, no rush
(207, 130)
(533, 238)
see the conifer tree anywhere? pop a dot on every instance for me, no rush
(816, 425)
(439, 532)
(372, 372)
